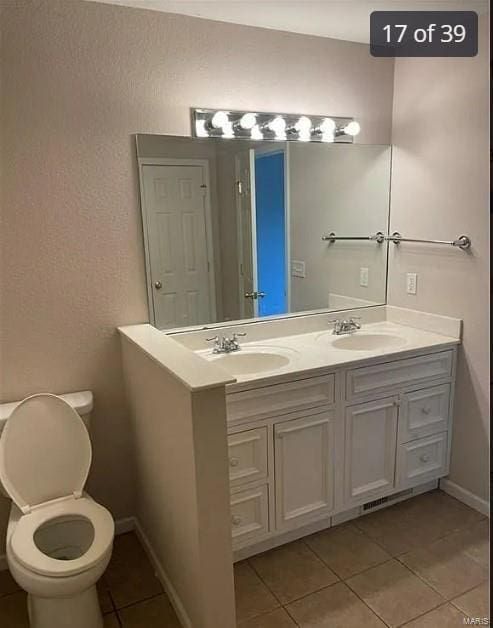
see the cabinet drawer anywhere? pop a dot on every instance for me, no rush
(382, 377)
(424, 412)
(249, 514)
(422, 460)
(247, 452)
(280, 398)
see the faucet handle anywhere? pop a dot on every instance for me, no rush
(213, 339)
(238, 335)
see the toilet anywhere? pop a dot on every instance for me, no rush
(59, 540)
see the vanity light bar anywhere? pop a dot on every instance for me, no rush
(256, 125)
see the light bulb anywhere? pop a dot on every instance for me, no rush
(353, 128)
(248, 121)
(219, 119)
(200, 129)
(303, 126)
(257, 133)
(228, 130)
(328, 137)
(328, 126)
(278, 126)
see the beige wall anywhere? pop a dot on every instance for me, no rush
(78, 80)
(440, 190)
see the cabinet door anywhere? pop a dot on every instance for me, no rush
(304, 468)
(371, 434)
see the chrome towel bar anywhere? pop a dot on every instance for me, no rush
(462, 242)
(377, 237)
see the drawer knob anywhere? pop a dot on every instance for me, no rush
(234, 462)
(424, 458)
(235, 520)
(425, 410)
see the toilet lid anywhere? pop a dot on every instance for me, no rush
(45, 451)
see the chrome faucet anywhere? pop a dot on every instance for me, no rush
(224, 344)
(345, 326)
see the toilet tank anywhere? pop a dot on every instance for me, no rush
(81, 402)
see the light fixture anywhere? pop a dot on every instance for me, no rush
(219, 119)
(353, 128)
(257, 125)
(278, 126)
(247, 121)
(200, 130)
(304, 128)
(257, 133)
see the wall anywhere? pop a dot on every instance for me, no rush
(440, 190)
(78, 80)
(182, 505)
(344, 189)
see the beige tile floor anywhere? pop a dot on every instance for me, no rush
(421, 564)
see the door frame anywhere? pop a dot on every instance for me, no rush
(168, 161)
(239, 234)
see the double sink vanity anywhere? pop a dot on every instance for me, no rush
(322, 425)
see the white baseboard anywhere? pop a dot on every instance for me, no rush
(465, 496)
(163, 577)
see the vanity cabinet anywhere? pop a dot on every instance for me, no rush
(305, 450)
(304, 469)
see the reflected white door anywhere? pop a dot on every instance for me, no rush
(247, 249)
(175, 210)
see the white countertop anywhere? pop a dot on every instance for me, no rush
(314, 351)
(305, 344)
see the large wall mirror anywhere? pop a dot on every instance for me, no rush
(233, 228)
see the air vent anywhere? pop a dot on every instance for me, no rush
(386, 500)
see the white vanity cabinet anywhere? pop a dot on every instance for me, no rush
(304, 450)
(304, 469)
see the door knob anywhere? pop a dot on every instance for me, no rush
(158, 285)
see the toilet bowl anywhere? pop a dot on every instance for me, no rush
(59, 540)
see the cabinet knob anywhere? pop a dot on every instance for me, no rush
(425, 410)
(234, 462)
(235, 520)
(424, 458)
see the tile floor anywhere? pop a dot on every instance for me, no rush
(422, 563)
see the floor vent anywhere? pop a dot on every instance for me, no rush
(386, 500)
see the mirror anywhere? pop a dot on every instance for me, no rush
(233, 228)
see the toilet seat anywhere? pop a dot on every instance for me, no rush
(27, 553)
(45, 452)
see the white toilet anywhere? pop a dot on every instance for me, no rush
(59, 540)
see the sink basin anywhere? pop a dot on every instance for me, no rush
(368, 342)
(252, 360)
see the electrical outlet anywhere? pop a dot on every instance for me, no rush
(363, 277)
(411, 283)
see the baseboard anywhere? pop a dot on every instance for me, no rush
(465, 496)
(163, 577)
(127, 524)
